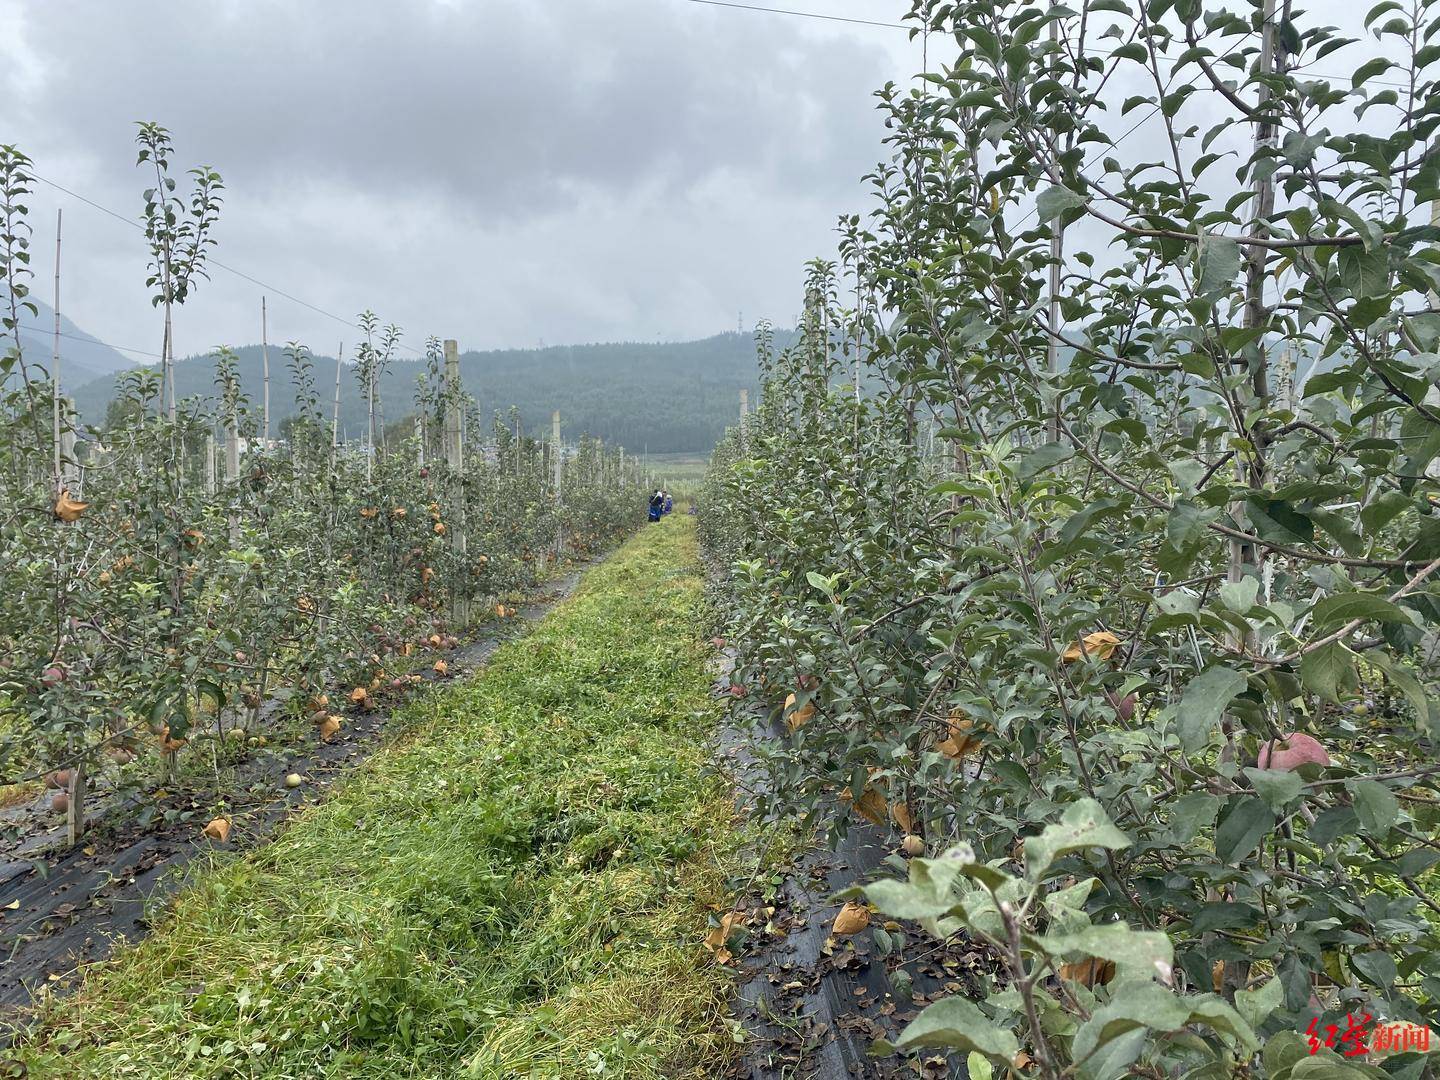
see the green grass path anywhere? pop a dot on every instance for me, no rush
(518, 888)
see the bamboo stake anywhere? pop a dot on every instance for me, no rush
(55, 362)
(1244, 557)
(1057, 251)
(167, 360)
(75, 810)
(369, 405)
(335, 414)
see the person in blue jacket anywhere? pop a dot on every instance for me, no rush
(657, 505)
(669, 503)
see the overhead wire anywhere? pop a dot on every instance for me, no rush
(905, 26)
(211, 261)
(801, 14)
(729, 4)
(902, 26)
(41, 334)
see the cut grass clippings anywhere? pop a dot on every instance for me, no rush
(521, 888)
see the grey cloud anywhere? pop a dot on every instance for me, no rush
(511, 107)
(501, 171)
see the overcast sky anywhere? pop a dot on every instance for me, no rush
(499, 171)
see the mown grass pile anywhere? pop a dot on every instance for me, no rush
(518, 889)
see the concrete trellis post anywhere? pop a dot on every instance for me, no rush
(265, 374)
(454, 458)
(232, 447)
(232, 466)
(557, 452)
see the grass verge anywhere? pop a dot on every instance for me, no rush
(518, 889)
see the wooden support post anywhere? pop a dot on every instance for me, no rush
(209, 463)
(75, 812)
(454, 458)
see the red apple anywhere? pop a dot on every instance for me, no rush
(1291, 752)
(737, 690)
(1124, 707)
(53, 676)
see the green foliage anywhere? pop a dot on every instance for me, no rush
(293, 574)
(151, 595)
(1098, 548)
(517, 889)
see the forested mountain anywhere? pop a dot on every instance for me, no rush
(83, 358)
(672, 397)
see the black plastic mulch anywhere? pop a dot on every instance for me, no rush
(61, 909)
(812, 1005)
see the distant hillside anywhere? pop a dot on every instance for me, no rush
(671, 398)
(82, 357)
